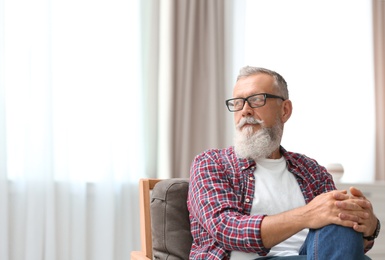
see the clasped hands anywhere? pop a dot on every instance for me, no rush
(357, 210)
(342, 208)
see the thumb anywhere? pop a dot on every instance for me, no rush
(356, 192)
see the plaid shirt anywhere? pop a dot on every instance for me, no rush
(221, 195)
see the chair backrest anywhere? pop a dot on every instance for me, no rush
(165, 225)
(170, 224)
(145, 188)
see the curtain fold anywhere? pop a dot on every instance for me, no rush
(379, 75)
(70, 221)
(193, 65)
(199, 73)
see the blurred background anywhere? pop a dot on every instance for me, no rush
(97, 94)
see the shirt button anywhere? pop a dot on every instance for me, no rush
(247, 200)
(251, 178)
(243, 168)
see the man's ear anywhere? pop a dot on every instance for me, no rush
(287, 108)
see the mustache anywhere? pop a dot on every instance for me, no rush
(250, 121)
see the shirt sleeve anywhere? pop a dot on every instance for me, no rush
(217, 208)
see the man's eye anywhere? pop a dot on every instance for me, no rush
(255, 99)
(238, 103)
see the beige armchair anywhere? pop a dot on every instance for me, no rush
(165, 226)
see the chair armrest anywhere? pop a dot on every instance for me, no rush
(138, 255)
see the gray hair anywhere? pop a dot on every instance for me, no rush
(279, 82)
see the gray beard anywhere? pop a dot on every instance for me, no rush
(258, 145)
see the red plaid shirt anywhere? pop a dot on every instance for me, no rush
(221, 195)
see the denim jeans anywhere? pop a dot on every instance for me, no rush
(329, 243)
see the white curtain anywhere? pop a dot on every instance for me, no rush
(314, 47)
(71, 129)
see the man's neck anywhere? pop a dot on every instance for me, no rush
(275, 155)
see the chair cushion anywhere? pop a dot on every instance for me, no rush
(170, 224)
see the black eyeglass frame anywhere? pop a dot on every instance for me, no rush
(265, 95)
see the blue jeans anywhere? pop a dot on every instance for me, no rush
(328, 243)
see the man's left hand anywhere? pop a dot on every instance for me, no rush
(357, 208)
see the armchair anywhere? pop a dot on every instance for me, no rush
(165, 226)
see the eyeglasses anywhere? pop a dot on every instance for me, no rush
(254, 101)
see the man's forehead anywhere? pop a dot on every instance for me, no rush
(259, 82)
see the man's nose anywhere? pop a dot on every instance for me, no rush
(247, 110)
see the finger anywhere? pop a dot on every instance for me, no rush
(341, 195)
(354, 204)
(365, 204)
(359, 228)
(345, 217)
(358, 217)
(347, 223)
(356, 197)
(356, 192)
(349, 205)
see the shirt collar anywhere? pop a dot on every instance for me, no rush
(245, 163)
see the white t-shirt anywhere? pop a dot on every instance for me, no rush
(276, 190)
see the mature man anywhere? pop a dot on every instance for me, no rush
(257, 200)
